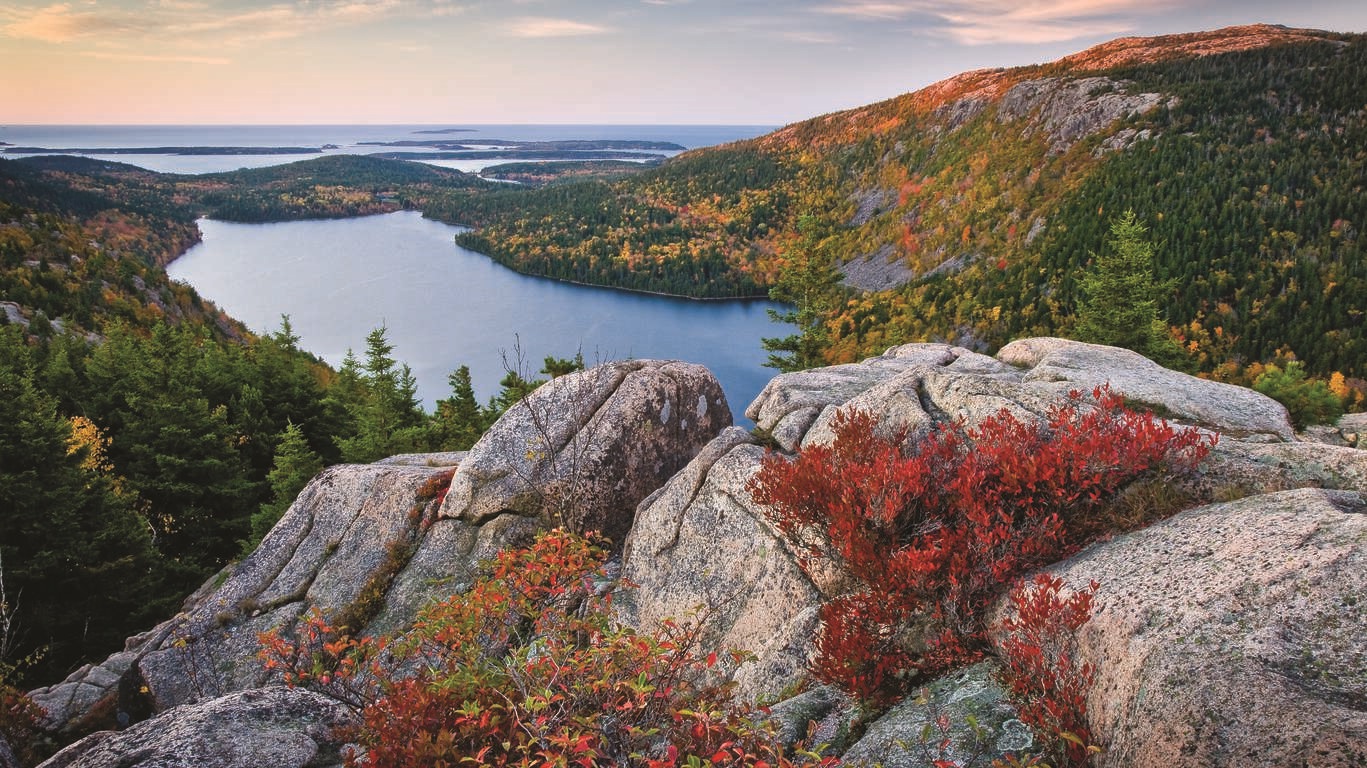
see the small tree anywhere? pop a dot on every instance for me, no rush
(1122, 298)
(389, 419)
(809, 285)
(295, 465)
(458, 421)
(1308, 401)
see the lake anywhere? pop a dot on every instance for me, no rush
(445, 306)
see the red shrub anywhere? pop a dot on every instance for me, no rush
(529, 669)
(1040, 667)
(934, 533)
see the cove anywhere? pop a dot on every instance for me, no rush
(445, 306)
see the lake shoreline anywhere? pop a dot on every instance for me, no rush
(445, 305)
(466, 227)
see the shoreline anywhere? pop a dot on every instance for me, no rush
(580, 283)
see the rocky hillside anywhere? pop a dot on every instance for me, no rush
(964, 211)
(1229, 634)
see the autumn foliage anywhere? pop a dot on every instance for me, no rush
(934, 532)
(528, 668)
(1041, 671)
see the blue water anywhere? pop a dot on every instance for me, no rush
(346, 137)
(445, 306)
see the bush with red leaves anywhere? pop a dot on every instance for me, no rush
(933, 532)
(529, 669)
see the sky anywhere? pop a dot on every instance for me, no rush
(755, 62)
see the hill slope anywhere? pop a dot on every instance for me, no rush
(966, 209)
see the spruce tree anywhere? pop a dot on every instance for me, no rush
(1122, 298)
(809, 284)
(295, 465)
(458, 421)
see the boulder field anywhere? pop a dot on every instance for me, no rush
(1228, 634)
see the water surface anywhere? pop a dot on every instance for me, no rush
(445, 306)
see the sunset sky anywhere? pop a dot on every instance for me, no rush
(547, 61)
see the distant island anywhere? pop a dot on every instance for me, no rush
(448, 130)
(516, 154)
(569, 145)
(162, 150)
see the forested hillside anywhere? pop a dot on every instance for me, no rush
(1244, 152)
(146, 439)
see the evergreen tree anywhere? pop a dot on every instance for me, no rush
(388, 419)
(295, 465)
(1122, 297)
(458, 421)
(555, 367)
(809, 284)
(79, 564)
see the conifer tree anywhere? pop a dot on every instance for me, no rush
(388, 418)
(295, 465)
(458, 421)
(809, 283)
(1121, 302)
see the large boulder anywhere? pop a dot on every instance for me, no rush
(584, 449)
(963, 718)
(1232, 635)
(351, 529)
(702, 553)
(1232, 411)
(277, 727)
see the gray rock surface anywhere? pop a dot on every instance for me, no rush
(881, 270)
(1068, 110)
(1232, 411)
(326, 547)
(276, 727)
(895, 739)
(7, 757)
(1232, 635)
(701, 552)
(584, 449)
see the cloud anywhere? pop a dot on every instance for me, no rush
(59, 24)
(540, 26)
(808, 36)
(174, 21)
(987, 22)
(159, 58)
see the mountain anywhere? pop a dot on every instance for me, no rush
(966, 210)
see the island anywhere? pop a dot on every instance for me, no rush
(568, 145)
(162, 150)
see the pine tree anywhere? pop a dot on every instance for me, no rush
(1122, 297)
(458, 421)
(295, 465)
(388, 419)
(809, 283)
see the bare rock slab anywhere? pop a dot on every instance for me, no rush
(277, 727)
(1233, 635)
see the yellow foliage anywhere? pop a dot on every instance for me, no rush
(87, 437)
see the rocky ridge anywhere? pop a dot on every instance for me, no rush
(1239, 639)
